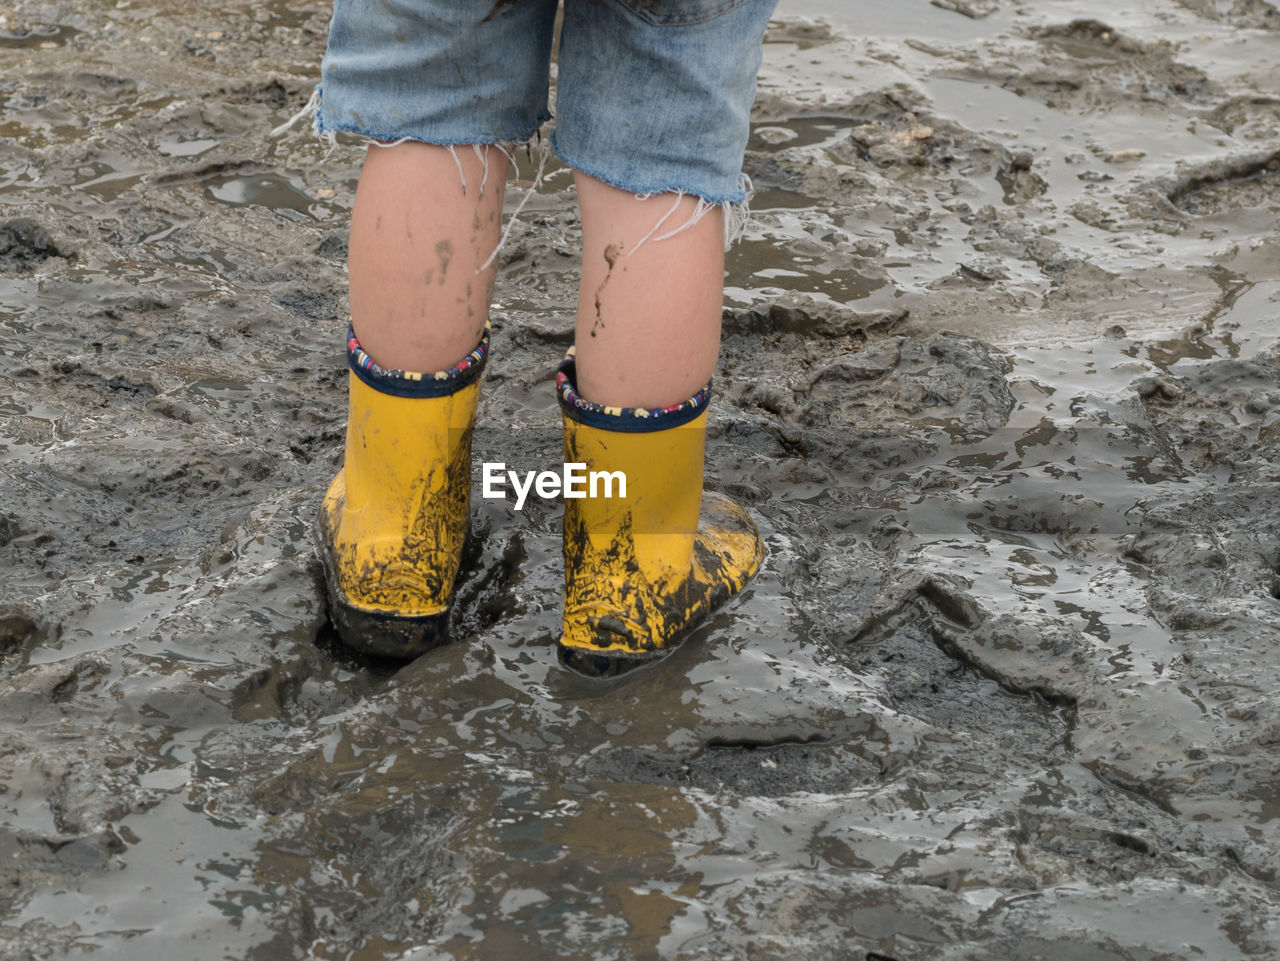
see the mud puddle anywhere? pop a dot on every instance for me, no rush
(999, 382)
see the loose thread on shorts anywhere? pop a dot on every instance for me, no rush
(453, 152)
(311, 109)
(661, 220)
(736, 216)
(543, 154)
(483, 156)
(701, 210)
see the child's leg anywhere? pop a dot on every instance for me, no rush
(418, 74)
(648, 327)
(653, 102)
(393, 522)
(653, 105)
(418, 237)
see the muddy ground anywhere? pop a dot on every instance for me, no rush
(999, 382)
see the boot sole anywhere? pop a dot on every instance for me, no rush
(590, 664)
(605, 664)
(380, 634)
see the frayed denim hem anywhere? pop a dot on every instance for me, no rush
(327, 131)
(328, 134)
(741, 195)
(736, 205)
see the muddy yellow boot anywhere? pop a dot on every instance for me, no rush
(646, 553)
(391, 528)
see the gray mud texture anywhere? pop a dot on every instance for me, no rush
(1000, 382)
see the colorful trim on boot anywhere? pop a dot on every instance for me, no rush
(405, 383)
(630, 420)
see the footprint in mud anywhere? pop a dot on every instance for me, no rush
(930, 648)
(1230, 185)
(1093, 55)
(24, 243)
(19, 632)
(1255, 14)
(1248, 118)
(43, 36)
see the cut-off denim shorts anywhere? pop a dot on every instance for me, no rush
(652, 96)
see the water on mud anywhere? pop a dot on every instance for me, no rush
(999, 383)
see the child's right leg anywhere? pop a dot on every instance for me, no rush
(426, 219)
(392, 524)
(421, 75)
(445, 83)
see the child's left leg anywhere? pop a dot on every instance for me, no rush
(426, 219)
(419, 75)
(393, 522)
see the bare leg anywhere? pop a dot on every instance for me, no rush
(648, 328)
(417, 239)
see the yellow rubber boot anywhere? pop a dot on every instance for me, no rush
(391, 528)
(644, 567)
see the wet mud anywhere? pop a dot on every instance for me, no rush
(1000, 384)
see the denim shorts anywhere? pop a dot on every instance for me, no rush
(652, 96)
